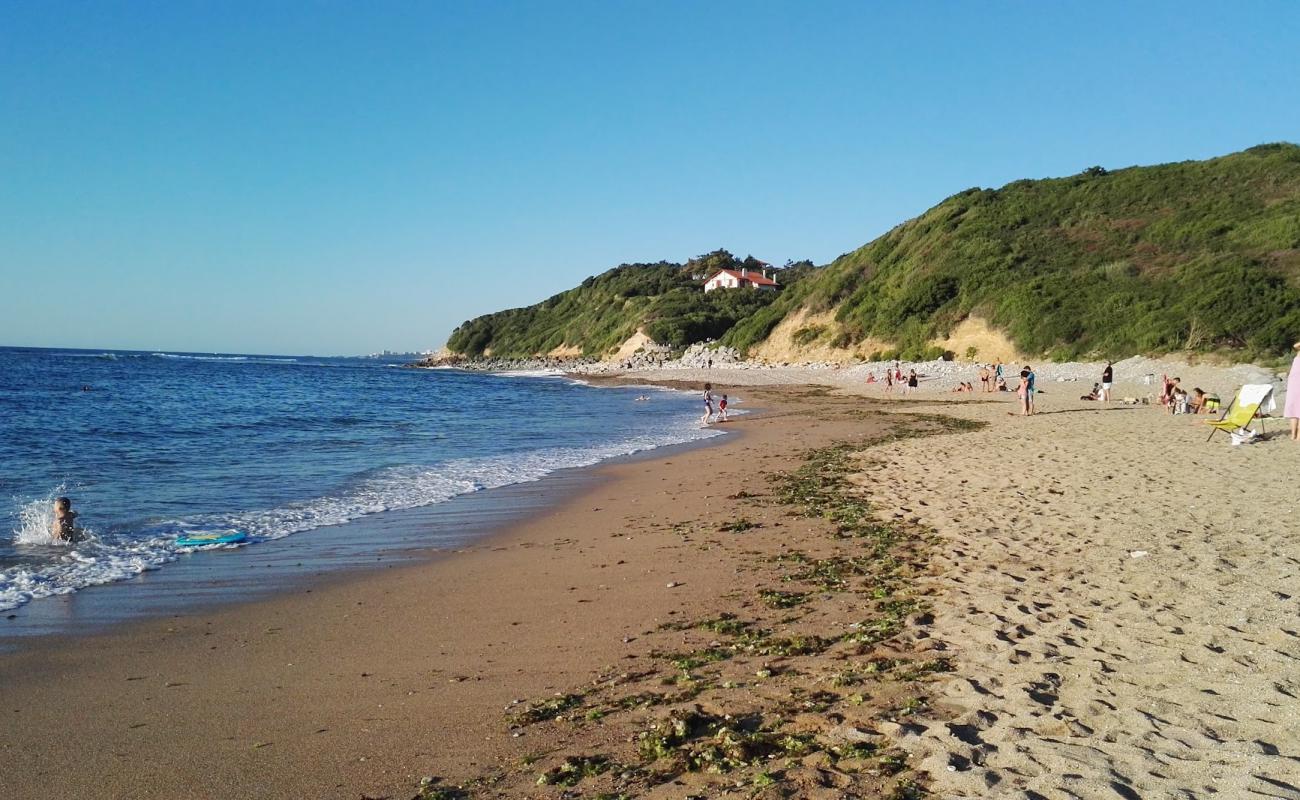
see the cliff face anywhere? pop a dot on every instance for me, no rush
(1198, 256)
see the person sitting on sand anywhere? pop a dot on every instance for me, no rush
(1002, 384)
(1095, 394)
(722, 409)
(1197, 404)
(871, 377)
(1180, 401)
(64, 528)
(961, 387)
(708, 404)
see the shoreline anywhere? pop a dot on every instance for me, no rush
(206, 580)
(285, 694)
(832, 601)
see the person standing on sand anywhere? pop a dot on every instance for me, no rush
(912, 380)
(1030, 388)
(889, 381)
(1022, 391)
(708, 404)
(1107, 377)
(1292, 408)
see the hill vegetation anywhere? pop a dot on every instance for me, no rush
(1197, 256)
(665, 300)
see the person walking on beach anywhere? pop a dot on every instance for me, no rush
(1022, 391)
(1292, 407)
(889, 381)
(1107, 377)
(912, 380)
(708, 404)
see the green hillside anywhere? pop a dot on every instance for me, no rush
(666, 300)
(1199, 255)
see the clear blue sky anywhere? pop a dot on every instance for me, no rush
(329, 177)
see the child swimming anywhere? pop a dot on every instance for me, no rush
(65, 528)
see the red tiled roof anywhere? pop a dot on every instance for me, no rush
(755, 278)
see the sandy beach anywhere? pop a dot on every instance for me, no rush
(853, 597)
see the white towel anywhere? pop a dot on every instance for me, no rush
(1257, 393)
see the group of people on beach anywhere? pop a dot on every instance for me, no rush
(894, 377)
(709, 413)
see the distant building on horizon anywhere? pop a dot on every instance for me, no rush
(741, 279)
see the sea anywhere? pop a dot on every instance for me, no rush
(151, 447)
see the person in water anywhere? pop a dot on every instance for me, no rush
(722, 409)
(65, 527)
(708, 404)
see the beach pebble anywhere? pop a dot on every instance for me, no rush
(673, 584)
(1137, 553)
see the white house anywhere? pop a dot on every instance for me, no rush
(739, 279)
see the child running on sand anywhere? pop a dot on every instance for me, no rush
(708, 404)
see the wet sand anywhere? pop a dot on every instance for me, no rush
(1092, 602)
(360, 685)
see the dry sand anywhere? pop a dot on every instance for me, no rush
(1116, 599)
(1122, 599)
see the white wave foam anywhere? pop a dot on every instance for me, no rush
(256, 359)
(116, 557)
(36, 519)
(199, 358)
(529, 373)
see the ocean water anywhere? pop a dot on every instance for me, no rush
(151, 446)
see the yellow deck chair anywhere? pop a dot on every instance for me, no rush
(1242, 410)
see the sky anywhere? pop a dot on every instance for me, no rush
(340, 178)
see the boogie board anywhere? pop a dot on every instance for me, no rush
(203, 539)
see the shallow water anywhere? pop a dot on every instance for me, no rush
(152, 445)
